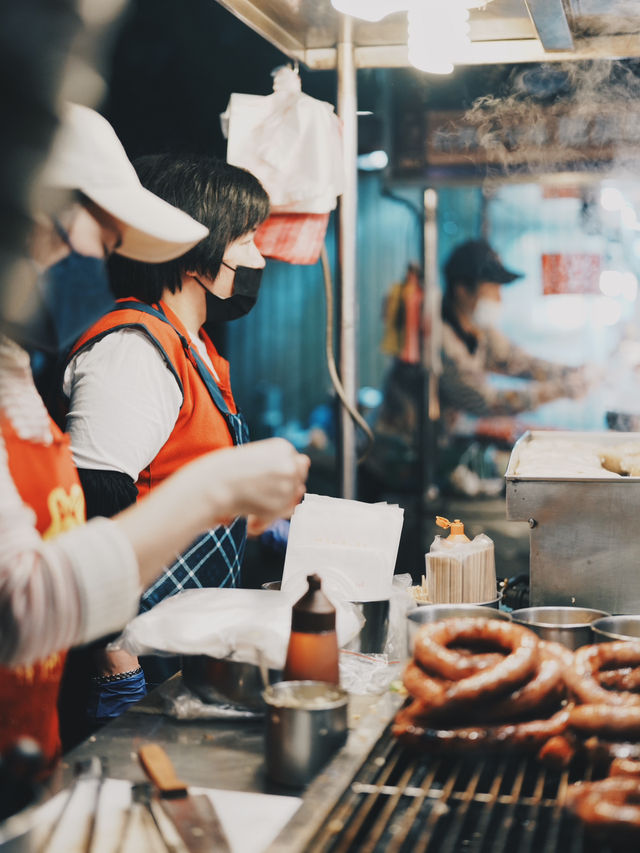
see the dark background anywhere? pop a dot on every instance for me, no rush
(175, 64)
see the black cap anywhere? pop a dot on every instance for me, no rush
(474, 262)
(313, 613)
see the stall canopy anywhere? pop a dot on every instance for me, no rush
(504, 31)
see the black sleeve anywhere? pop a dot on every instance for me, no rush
(106, 493)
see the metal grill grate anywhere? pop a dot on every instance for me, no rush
(400, 802)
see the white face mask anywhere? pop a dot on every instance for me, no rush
(488, 314)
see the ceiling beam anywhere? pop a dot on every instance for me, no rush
(486, 53)
(266, 26)
(550, 21)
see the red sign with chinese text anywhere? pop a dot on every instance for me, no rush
(577, 272)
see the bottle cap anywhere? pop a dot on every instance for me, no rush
(456, 528)
(313, 613)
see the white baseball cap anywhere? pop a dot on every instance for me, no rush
(88, 156)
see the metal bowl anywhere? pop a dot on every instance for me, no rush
(227, 682)
(571, 626)
(429, 613)
(372, 638)
(494, 603)
(616, 628)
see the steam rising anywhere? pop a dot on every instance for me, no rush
(574, 112)
(581, 113)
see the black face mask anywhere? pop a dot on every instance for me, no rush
(246, 284)
(68, 297)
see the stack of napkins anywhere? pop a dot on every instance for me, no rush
(352, 546)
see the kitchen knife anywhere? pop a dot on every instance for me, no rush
(193, 815)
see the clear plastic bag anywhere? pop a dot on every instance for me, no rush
(460, 572)
(252, 625)
(290, 142)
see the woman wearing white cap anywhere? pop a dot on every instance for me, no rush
(63, 582)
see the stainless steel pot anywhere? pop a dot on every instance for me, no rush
(225, 682)
(571, 626)
(494, 603)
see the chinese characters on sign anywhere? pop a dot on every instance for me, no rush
(577, 272)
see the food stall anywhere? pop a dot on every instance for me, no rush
(377, 793)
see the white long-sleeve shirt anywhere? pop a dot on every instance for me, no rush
(65, 591)
(123, 402)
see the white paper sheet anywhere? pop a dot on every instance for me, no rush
(269, 814)
(352, 546)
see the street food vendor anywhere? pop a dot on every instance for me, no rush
(473, 348)
(63, 582)
(148, 391)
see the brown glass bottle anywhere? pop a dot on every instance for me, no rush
(313, 646)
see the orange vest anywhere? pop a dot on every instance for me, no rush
(47, 481)
(200, 426)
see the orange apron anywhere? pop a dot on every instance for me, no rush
(201, 426)
(47, 481)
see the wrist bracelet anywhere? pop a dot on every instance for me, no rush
(119, 676)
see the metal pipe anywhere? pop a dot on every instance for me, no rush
(347, 110)
(432, 319)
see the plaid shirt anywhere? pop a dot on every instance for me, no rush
(212, 560)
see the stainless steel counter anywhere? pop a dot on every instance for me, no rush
(228, 754)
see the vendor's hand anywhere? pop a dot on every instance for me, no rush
(264, 479)
(256, 526)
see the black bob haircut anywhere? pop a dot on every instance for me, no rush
(228, 200)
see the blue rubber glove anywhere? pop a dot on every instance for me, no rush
(110, 700)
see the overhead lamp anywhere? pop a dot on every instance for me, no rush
(369, 10)
(376, 10)
(438, 33)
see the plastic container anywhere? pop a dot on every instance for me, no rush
(571, 626)
(312, 654)
(306, 723)
(459, 570)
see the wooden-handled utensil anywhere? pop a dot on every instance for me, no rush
(193, 815)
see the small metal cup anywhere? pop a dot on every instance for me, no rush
(372, 638)
(306, 723)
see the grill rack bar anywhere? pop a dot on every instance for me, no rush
(403, 802)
